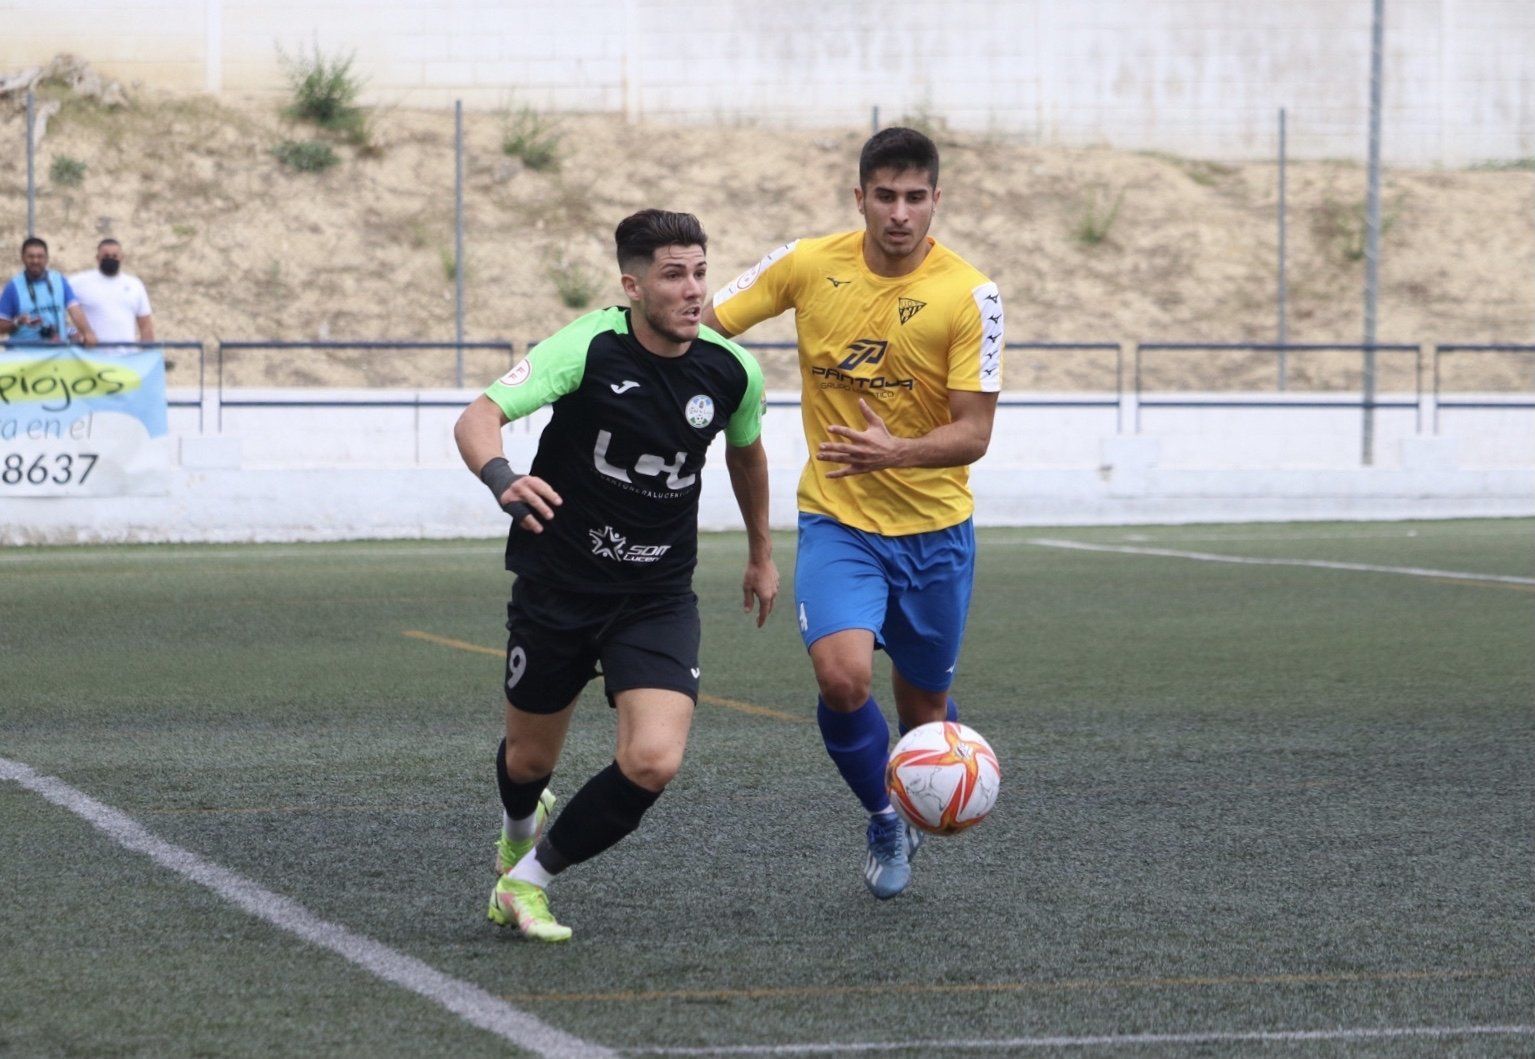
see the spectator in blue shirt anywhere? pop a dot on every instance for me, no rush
(38, 305)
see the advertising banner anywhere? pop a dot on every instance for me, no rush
(76, 422)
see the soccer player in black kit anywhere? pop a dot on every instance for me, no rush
(604, 539)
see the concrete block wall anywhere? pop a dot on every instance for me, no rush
(1203, 78)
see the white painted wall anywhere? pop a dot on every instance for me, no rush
(329, 473)
(1194, 77)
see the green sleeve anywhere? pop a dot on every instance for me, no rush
(554, 367)
(745, 424)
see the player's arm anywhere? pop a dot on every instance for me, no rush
(957, 443)
(545, 375)
(974, 379)
(764, 290)
(746, 460)
(526, 498)
(748, 469)
(713, 321)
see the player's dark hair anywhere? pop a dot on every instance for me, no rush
(109, 241)
(641, 234)
(899, 149)
(32, 240)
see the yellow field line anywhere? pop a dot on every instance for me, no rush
(713, 700)
(448, 641)
(1069, 984)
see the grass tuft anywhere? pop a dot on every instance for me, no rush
(576, 284)
(67, 172)
(1096, 215)
(533, 138)
(307, 156)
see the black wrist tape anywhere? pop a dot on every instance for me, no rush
(498, 477)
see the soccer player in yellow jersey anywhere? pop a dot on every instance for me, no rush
(900, 351)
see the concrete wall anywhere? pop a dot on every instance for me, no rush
(1194, 77)
(331, 473)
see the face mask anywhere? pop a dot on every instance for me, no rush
(110, 265)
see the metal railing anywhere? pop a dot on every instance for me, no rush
(1452, 348)
(1126, 395)
(225, 401)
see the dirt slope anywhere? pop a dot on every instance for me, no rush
(233, 244)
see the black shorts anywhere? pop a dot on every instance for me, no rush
(557, 638)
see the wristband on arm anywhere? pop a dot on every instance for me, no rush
(498, 477)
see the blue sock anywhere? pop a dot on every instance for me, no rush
(859, 744)
(951, 714)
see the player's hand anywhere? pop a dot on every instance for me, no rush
(871, 449)
(759, 587)
(538, 496)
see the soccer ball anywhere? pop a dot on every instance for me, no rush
(943, 777)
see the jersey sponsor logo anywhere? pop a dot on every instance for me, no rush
(863, 351)
(835, 283)
(608, 543)
(647, 465)
(908, 308)
(745, 280)
(623, 387)
(877, 385)
(700, 411)
(518, 375)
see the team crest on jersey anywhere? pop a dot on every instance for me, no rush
(909, 307)
(518, 375)
(700, 411)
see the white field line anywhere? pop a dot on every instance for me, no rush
(469, 1002)
(941, 1047)
(1322, 564)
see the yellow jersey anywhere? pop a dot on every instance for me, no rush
(901, 343)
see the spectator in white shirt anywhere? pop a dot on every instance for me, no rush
(116, 304)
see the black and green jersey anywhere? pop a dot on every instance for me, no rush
(624, 450)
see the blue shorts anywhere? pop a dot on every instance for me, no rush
(912, 592)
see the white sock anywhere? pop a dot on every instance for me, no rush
(527, 827)
(529, 870)
(886, 813)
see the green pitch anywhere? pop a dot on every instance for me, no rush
(1236, 798)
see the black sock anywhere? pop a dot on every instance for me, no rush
(606, 809)
(518, 799)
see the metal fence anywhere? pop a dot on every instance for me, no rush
(1133, 377)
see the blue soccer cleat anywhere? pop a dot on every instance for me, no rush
(886, 870)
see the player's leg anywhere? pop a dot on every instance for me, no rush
(917, 705)
(653, 728)
(525, 761)
(925, 627)
(840, 593)
(933, 577)
(550, 657)
(649, 656)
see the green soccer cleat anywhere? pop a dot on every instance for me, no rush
(510, 850)
(515, 901)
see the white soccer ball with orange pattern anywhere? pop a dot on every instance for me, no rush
(943, 777)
